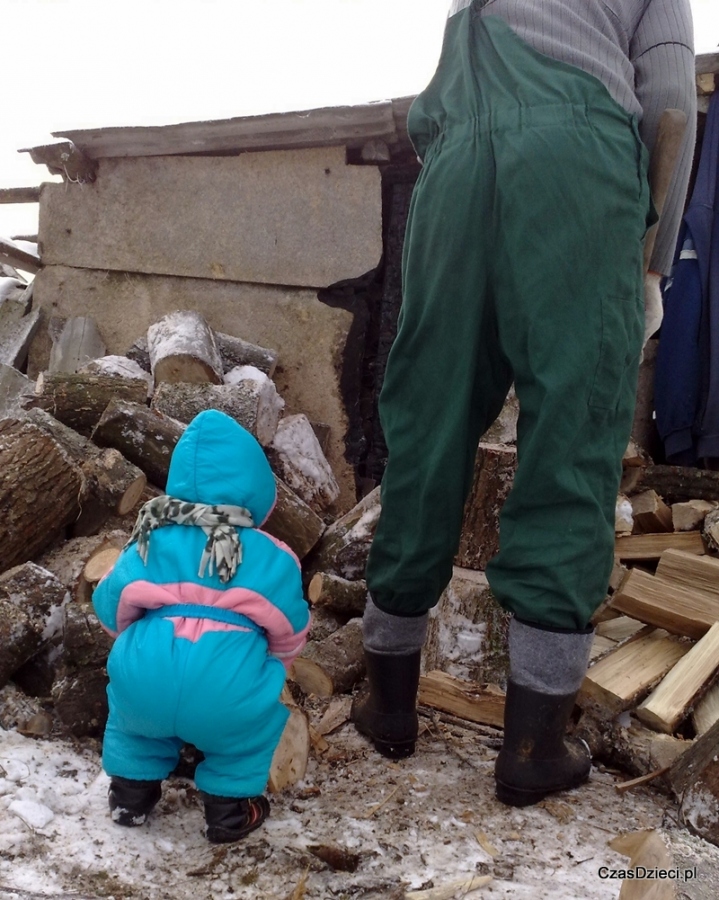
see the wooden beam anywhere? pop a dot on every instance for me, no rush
(64, 158)
(652, 546)
(20, 195)
(16, 256)
(665, 604)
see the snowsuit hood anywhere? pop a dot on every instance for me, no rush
(217, 461)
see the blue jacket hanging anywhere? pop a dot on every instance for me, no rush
(686, 388)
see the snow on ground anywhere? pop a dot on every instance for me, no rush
(410, 825)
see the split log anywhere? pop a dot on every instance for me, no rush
(698, 572)
(690, 516)
(182, 348)
(347, 598)
(666, 604)
(144, 436)
(15, 339)
(80, 700)
(296, 456)
(79, 400)
(467, 631)
(236, 352)
(13, 388)
(621, 678)
(344, 546)
(332, 666)
(41, 491)
(706, 712)
(651, 514)
(78, 342)
(710, 529)
(252, 401)
(293, 522)
(647, 852)
(494, 468)
(648, 547)
(29, 596)
(668, 704)
(483, 703)
(289, 762)
(695, 782)
(600, 647)
(113, 485)
(120, 366)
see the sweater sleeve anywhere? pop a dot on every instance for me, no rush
(662, 51)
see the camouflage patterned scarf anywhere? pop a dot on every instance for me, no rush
(223, 550)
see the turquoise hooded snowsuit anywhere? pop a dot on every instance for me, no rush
(212, 682)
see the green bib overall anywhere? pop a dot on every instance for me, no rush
(522, 263)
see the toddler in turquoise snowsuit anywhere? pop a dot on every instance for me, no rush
(208, 611)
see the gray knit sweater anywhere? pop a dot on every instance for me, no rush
(643, 52)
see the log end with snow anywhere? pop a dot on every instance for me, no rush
(118, 365)
(182, 348)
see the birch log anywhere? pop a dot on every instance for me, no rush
(121, 366)
(344, 547)
(293, 522)
(327, 591)
(252, 400)
(236, 352)
(296, 456)
(182, 348)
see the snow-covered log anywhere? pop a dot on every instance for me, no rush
(344, 547)
(78, 342)
(78, 400)
(119, 365)
(182, 348)
(297, 457)
(236, 352)
(67, 561)
(250, 399)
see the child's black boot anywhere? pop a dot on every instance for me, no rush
(232, 818)
(132, 800)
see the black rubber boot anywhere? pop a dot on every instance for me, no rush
(232, 818)
(131, 800)
(537, 758)
(388, 713)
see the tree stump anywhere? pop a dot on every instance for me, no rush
(494, 470)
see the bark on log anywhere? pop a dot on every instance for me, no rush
(80, 700)
(252, 402)
(494, 469)
(113, 484)
(678, 484)
(144, 436)
(293, 522)
(120, 366)
(67, 561)
(346, 598)
(78, 342)
(236, 352)
(85, 644)
(332, 666)
(41, 491)
(30, 597)
(79, 400)
(695, 782)
(344, 547)
(467, 632)
(296, 456)
(182, 348)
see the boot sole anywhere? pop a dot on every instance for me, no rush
(513, 796)
(394, 750)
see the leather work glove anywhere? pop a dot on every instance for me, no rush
(653, 305)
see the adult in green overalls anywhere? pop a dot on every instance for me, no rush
(523, 264)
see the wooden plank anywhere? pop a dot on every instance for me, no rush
(64, 158)
(666, 604)
(651, 546)
(620, 678)
(474, 702)
(20, 195)
(16, 256)
(700, 573)
(669, 703)
(327, 126)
